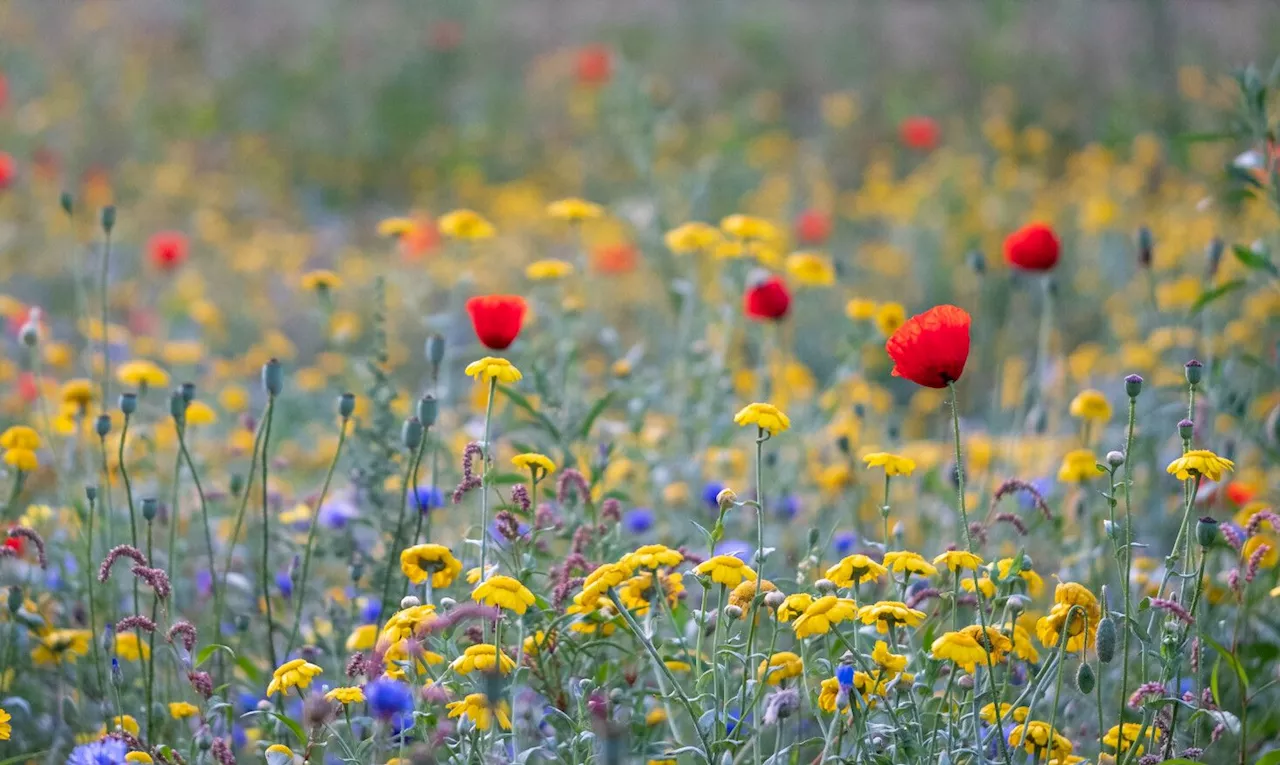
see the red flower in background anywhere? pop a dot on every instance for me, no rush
(497, 319)
(594, 65)
(445, 35)
(615, 258)
(167, 249)
(767, 300)
(931, 348)
(8, 170)
(28, 388)
(14, 543)
(1034, 247)
(813, 227)
(1240, 494)
(920, 133)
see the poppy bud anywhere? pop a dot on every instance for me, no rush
(15, 599)
(108, 218)
(976, 261)
(1106, 640)
(236, 484)
(1213, 256)
(1133, 385)
(128, 403)
(66, 202)
(91, 493)
(29, 334)
(273, 377)
(1185, 429)
(1206, 531)
(177, 406)
(1085, 679)
(346, 405)
(149, 508)
(1146, 247)
(428, 410)
(814, 537)
(411, 433)
(103, 425)
(188, 392)
(1194, 371)
(242, 622)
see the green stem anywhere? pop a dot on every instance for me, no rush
(89, 568)
(128, 494)
(265, 571)
(311, 539)
(393, 555)
(208, 535)
(486, 456)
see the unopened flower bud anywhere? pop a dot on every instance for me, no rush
(15, 599)
(149, 508)
(1206, 531)
(428, 410)
(773, 599)
(91, 493)
(409, 601)
(1146, 246)
(128, 403)
(447, 603)
(1115, 458)
(30, 333)
(177, 406)
(732, 611)
(188, 392)
(825, 586)
(815, 536)
(1133, 385)
(726, 498)
(965, 681)
(1106, 639)
(108, 218)
(976, 261)
(236, 484)
(1194, 371)
(346, 405)
(1213, 255)
(411, 433)
(102, 426)
(1185, 429)
(242, 622)
(1017, 603)
(435, 353)
(273, 377)
(1085, 679)
(67, 202)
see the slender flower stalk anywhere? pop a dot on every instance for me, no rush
(487, 459)
(265, 571)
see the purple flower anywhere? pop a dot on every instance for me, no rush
(843, 542)
(710, 492)
(789, 507)
(338, 512)
(638, 521)
(428, 498)
(370, 611)
(284, 583)
(735, 547)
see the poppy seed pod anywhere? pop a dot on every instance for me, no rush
(66, 202)
(435, 350)
(346, 405)
(428, 410)
(1133, 385)
(128, 403)
(102, 426)
(1106, 640)
(149, 508)
(177, 406)
(188, 392)
(1207, 531)
(273, 377)
(236, 484)
(29, 334)
(1194, 371)
(108, 218)
(411, 433)
(1146, 247)
(91, 493)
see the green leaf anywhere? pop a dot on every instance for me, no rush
(1206, 136)
(291, 725)
(1270, 758)
(254, 674)
(507, 479)
(1231, 661)
(1215, 293)
(1254, 260)
(208, 650)
(597, 409)
(24, 758)
(524, 404)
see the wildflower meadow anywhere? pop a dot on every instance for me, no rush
(416, 383)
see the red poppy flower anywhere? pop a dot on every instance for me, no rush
(15, 544)
(1034, 247)
(8, 170)
(445, 35)
(28, 388)
(167, 249)
(919, 133)
(594, 65)
(496, 319)
(767, 300)
(1239, 493)
(930, 349)
(615, 258)
(813, 227)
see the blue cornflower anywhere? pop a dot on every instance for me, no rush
(370, 610)
(734, 547)
(638, 521)
(428, 498)
(284, 583)
(710, 492)
(844, 675)
(843, 542)
(388, 699)
(109, 751)
(788, 507)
